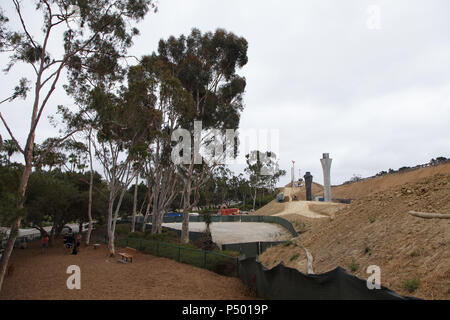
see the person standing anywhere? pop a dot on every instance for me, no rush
(78, 240)
(45, 243)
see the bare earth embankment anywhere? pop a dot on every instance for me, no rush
(376, 229)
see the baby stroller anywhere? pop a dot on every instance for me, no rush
(68, 242)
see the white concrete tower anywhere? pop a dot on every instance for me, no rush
(326, 165)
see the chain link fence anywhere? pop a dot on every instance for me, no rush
(215, 261)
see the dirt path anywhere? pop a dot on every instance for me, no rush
(38, 276)
(300, 208)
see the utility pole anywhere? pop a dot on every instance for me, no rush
(292, 174)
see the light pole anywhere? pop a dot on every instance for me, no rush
(292, 174)
(326, 165)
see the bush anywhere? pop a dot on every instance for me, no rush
(287, 243)
(165, 236)
(353, 266)
(415, 253)
(123, 229)
(136, 235)
(300, 227)
(295, 256)
(412, 285)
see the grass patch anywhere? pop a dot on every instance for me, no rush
(368, 251)
(412, 285)
(287, 243)
(295, 256)
(353, 266)
(415, 253)
(300, 227)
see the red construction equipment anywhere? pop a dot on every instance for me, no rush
(229, 212)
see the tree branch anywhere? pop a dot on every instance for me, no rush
(11, 134)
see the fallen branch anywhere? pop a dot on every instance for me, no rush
(427, 215)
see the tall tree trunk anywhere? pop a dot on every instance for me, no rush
(133, 216)
(91, 183)
(20, 203)
(254, 199)
(112, 226)
(144, 220)
(186, 207)
(109, 225)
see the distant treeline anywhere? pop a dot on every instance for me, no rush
(432, 162)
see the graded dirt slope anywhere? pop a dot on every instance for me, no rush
(363, 188)
(377, 230)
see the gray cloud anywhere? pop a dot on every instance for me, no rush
(373, 99)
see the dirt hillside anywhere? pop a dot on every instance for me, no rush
(363, 188)
(377, 230)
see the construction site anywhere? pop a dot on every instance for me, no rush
(376, 228)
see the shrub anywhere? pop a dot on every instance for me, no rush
(137, 235)
(300, 227)
(367, 250)
(165, 236)
(415, 253)
(412, 285)
(287, 243)
(122, 229)
(295, 256)
(353, 266)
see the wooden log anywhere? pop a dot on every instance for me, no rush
(427, 215)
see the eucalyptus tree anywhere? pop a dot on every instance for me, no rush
(206, 65)
(88, 28)
(155, 86)
(10, 148)
(124, 128)
(263, 171)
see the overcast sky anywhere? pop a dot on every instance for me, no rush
(366, 81)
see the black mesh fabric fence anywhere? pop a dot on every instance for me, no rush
(286, 283)
(251, 249)
(215, 261)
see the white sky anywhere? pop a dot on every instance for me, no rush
(373, 98)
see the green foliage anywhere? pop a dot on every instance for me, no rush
(165, 236)
(353, 266)
(9, 184)
(287, 243)
(61, 198)
(411, 285)
(300, 227)
(135, 235)
(294, 257)
(415, 253)
(123, 229)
